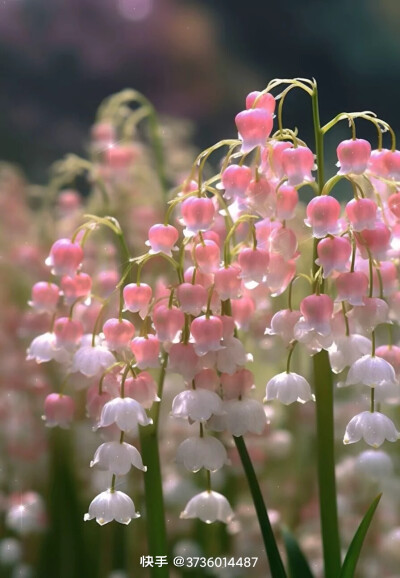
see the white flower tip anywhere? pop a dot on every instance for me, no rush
(346, 440)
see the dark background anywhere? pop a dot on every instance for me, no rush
(193, 59)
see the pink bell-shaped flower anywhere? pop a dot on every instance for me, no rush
(254, 265)
(261, 197)
(391, 354)
(280, 273)
(209, 507)
(235, 180)
(137, 298)
(162, 239)
(168, 322)
(68, 332)
(207, 379)
(317, 311)
(65, 257)
(193, 275)
(361, 213)
(111, 505)
(297, 165)
(242, 312)
(142, 388)
(146, 351)
(263, 100)
(183, 360)
(254, 127)
(45, 297)
(238, 384)
(323, 215)
(392, 162)
(333, 254)
(377, 241)
(118, 333)
(76, 287)
(287, 199)
(377, 163)
(208, 256)
(394, 205)
(95, 401)
(351, 287)
(228, 284)
(58, 410)
(106, 282)
(192, 298)
(275, 158)
(197, 214)
(353, 156)
(207, 334)
(283, 240)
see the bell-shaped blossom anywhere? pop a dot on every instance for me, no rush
(298, 164)
(377, 165)
(76, 287)
(207, 334)
(168, 322)
(137, 298)
(228, 284)
(68, 332)
(371, 370)
(118, 333)
(232, 356)
(202, 452)
(317, 313)
(243, 416)
(323, 214)
(91, 360)
(287, 199)
(196, 405)
(353, 156)
(374, 242)
(65, 257)
(95, 401)
(44, 348)
(254, 127)
(374, 464)
(111, 505)
(197, 214)
(280, 273)
(242, 312)
(347, 349)
(361, 214)
(192, 298)
(392, 162)
(373, 312)
(125, 412)
(283, 241)
(208, 256)
(275, 157)
(207, 379)
(142, 388)
(45, 297)
(393, 203)
(162, 239)
(312, 339)
(117, 458)
(209, 507)
(264, 230)
(283, 323)
(374, 427)
(235, 180)
(58, 410)
(263, 100)
(146, 351)
(288, 387)
(352, 287)
(333, 255)
(183, 360)
(261, 197)
(254, 265)
(391, 353)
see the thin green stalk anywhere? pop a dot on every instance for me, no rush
(323, 384)
(274, 557)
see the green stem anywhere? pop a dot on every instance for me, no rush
(274, 557)
(323, 384)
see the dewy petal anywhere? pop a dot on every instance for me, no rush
(288, 388)
(245, 415)
(372, 371)
(91, 360)
(346, 350)
(117, 458)
(373, 427)
(197, 405)
(209, 507)
(126, 412)
(112, 505)
(202, 452)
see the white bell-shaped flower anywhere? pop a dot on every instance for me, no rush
(126, 412)
(347, 349)
(232, 357)
(202, 452)
(245, 415)
(44, 348)
(375, 464)
(196, 404)
(372, 371)
(373, 427)
(282, 324)
(209, 507)
(117, 458)
(90, 361)
(112, 505)
(288, 387)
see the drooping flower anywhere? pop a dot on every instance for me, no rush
(208, 506)
(112, 505)
(202, 452)
(117, 458)
(196, 405)
(373, 427)
(125, 412)
(288, 387)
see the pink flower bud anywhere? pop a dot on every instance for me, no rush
(254, 127)
(353, 156)
(317, 311)
(376, 240)
(238, 384)
(65, 257)
(254, 265)
(192, 298)
(142, 389)
(76, 287)
(323, 216)
(118, 333)
(197, 214)
(361, 214)
(58, 410)
(333, 254)
(146, 350)
(286, 202)
(120, 156)
(68, 332)
(168, 323)
(351, 287)
(102, 135)
(207, 334)
(228, 284)
(265, 101)
(208, 256)
(44, 296)
(261, 197)
(235, 180)
(298, 164)
(137, 298)
(162, 239)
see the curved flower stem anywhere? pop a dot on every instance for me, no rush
(274, 557)
(323, 384)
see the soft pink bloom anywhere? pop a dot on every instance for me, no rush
(287, 199)
(207, 334)
(263, 100)
(65, 257)
(208, 256)
(235, 180)
(58, 410)
(361, 213)
(168, 323)
(298, 164)
(146, 351)
(352, 287)
(162, 239)
(254, 127)
(76, 287)
(118, 333)
(197, 214)
(333, 254)
(353, 155)
(68, 332)
(323, 215)
(45, 297)
(137, 298)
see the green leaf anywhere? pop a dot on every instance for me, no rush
(298, 565)
(353, 553)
